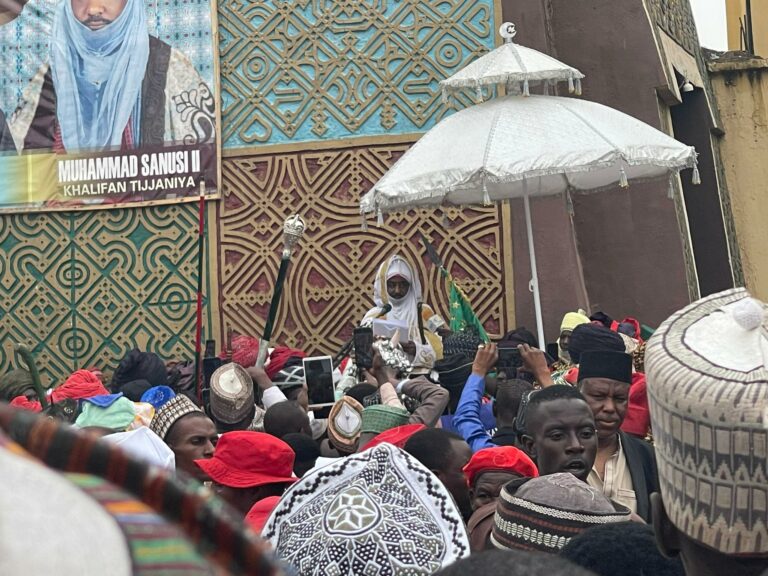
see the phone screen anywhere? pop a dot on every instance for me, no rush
(363, 340)
(509, 361)
(318, 372)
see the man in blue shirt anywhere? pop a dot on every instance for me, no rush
(467, 417)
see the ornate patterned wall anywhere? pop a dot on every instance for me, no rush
(301, 83)
(321, 69)
(330, 283)
(82, 288)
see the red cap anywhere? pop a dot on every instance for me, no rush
(245, 350)
(572, 376)
(259, 513)
(280, 357)
(246, 459)
(81, 384)
(398, 435)
(500, 459)
(26, 404)
(637, 420)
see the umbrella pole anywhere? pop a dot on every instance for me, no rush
(534, 285)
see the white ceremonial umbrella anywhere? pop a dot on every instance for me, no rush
(516, 67)
(515, 147)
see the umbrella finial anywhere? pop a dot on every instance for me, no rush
(507, 31)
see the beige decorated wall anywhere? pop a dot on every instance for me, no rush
(741, 90)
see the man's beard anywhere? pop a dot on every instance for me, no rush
(96, 22)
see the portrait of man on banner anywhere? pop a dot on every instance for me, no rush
(110, 85)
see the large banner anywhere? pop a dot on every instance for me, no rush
(106, 102)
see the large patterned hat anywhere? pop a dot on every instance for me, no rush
(708, 395)
(378, 512)
(231, 394)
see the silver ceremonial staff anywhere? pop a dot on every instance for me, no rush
(292, 230)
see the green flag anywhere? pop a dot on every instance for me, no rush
(462, 315)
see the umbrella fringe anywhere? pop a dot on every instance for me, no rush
(623, 182)
(380, 218)
(696, 178)
(486, 195)
(571, 88)
(392, 204)
(479, 93)
(526, 90)
(671, 188)
(577, 91)
(534, 77)
(364, 226)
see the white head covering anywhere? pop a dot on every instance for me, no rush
(145, 445)
(707, 373)
(377, 512)
(41, 507)
(403, 309)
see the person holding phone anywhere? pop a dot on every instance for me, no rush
(397, 297)
(466, 419)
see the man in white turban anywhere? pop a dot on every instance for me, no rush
(397, 295)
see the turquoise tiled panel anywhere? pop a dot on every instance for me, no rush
(325, 70)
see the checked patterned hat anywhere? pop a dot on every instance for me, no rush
(171, 411)
(707, 373)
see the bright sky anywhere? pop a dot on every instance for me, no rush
(710, 22)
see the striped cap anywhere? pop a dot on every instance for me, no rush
(546, 512)
(171, 411)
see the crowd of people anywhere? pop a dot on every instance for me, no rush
(623, 451)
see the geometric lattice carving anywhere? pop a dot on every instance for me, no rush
(82, 288)
(330, 283)
(311, 69)
(36, 310)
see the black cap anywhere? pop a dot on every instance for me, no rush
(612, 365)
(453, 371)
(589, 337)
